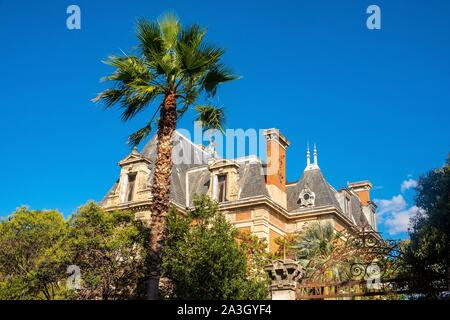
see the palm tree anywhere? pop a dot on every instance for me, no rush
(315, 247)
(175, 67)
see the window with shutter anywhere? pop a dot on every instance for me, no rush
(131, 183)
(222, 184)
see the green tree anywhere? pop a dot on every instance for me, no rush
(428, 255)
(204, 259)
(329, 255)
(109, 249)
(33, 257)
(314, 249)
(173, 67)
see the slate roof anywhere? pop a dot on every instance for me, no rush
(325, 194)
(251, 181)
(191, 162)
(357, 213)
(314, 180)
(186, 155)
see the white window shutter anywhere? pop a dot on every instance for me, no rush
(124, 189)
(214, 187)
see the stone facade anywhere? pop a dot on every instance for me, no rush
(253, 195)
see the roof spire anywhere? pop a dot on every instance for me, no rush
(308, 157)
(309, 165)
(316, 163)
(135, 150)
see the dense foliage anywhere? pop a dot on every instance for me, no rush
(331, 256)
(314, 248)
(108, 247)
(204, 259)
(428, 255)
(32, 255)
(37, 248)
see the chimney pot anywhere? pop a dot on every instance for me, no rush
(276, 165)
(362, 189)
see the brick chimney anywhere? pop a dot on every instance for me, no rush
(276, 165)
(362, 189)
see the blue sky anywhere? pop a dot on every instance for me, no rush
(376, 102)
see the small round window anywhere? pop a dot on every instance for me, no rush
(307, 197)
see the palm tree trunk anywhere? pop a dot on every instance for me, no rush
(161, 190)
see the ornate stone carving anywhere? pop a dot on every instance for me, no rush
(285, 275)
(307, 197)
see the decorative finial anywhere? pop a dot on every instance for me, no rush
(135, 150)
(309, 165)
(308, 157)
(315, 156)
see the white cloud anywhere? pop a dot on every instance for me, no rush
(395, 214)
(397, 203)
(408, 184)
(399, 221)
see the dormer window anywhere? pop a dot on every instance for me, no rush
(347, 206)
(130, 186)
(307, 198)
(224, 180)
(222, 187)
(134, 173)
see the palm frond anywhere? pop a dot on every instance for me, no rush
(169, 26)
(109, 97)
(128, 69)
(211, 117)
(135, 138)
(181, 111)
(151, 43)
(195, 61)
(192, 35)
(187, 59)
(136, 86)
(190, 94)
(171, 59)
(135, 103)
(215, 76)
(210, 53)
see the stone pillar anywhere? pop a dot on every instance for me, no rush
(284, 275)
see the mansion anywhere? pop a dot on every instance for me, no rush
(254, 195)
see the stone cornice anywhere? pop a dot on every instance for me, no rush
(248, 202)
(262, 200)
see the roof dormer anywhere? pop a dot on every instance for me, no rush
(133, 157)
(133, 185)
(224, 179)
